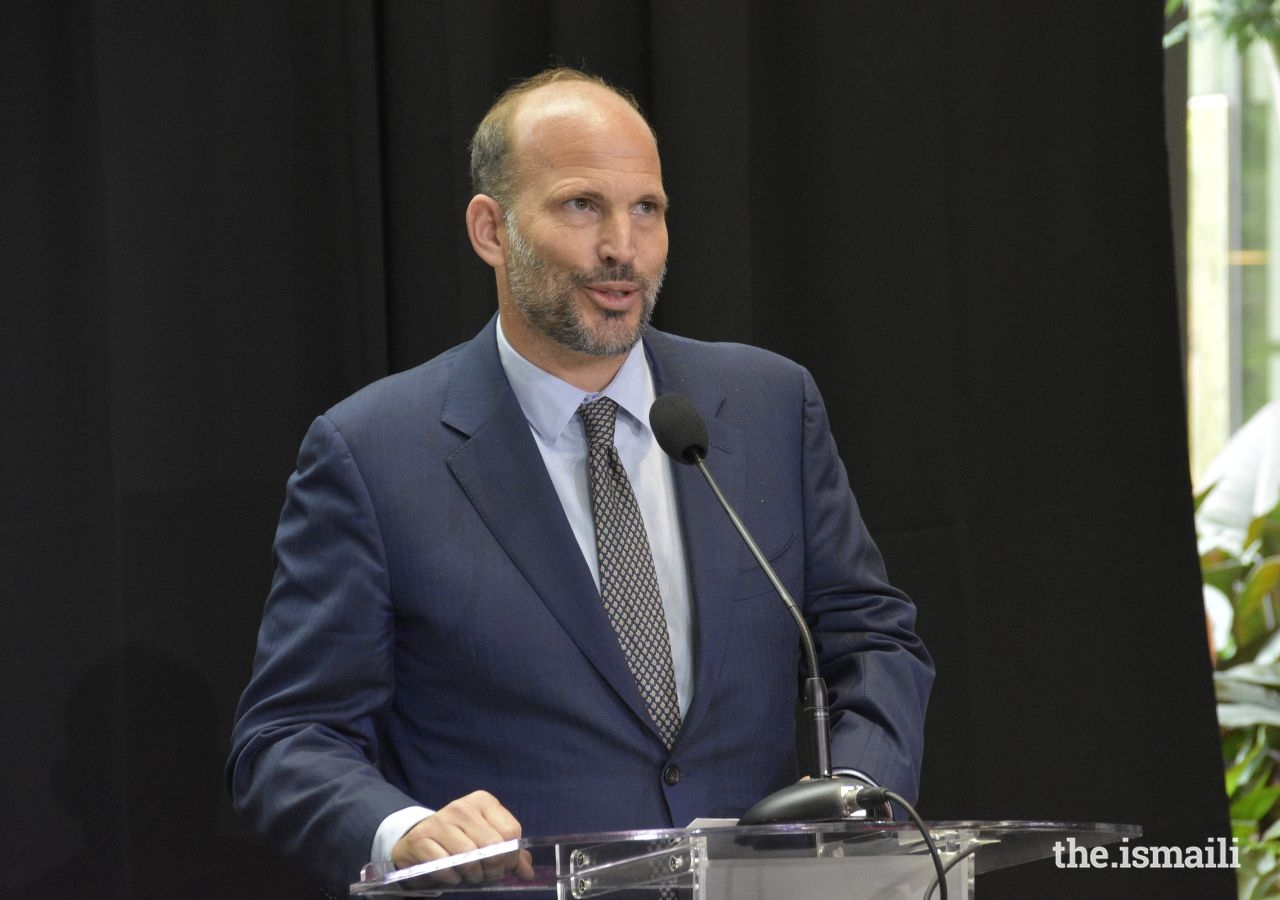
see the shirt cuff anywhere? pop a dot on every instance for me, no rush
(394, 827)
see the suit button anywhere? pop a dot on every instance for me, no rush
(671, 775)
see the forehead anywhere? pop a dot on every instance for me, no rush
(563, 130)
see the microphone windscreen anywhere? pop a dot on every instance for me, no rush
(679, 427)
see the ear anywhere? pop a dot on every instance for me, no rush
(487, 229)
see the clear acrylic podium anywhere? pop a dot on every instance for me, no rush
(853, 860)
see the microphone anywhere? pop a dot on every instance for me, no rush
(679, 427)
(682, 434)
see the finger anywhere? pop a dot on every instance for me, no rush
(518, 863)
(430, 840)
(524, 865)
(502, 821)
(483, 820)
(427, 850)
(455, 840)
(481, 813)
(495, 867)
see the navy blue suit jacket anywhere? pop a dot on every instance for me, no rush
(433, 629)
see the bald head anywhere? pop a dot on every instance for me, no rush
(554, 97)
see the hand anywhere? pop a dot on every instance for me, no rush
(468, 823)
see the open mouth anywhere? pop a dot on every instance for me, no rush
(612, 294)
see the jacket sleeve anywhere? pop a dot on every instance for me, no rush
(305, 746)
(877, 670)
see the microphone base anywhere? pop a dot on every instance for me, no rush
(831, 799)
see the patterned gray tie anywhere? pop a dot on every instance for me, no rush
(628, 585)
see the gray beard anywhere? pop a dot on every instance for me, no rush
(545, 298)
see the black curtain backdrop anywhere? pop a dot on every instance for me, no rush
(219, 218)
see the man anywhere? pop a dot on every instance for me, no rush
(451, 627)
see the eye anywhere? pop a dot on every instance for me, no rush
(648, 208)
(579, 204)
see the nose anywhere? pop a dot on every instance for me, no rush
(617, 239)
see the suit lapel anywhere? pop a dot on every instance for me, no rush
(706, 529)
(502, 473)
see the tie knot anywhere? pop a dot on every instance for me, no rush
(599, 416)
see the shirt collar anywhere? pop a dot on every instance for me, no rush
(550, 403)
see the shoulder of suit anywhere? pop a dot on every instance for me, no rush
(725, 356)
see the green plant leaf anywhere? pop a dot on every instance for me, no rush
(1246, 715)
(1265, 532)
(1259, 887)
(1255, 613)
(1223, 571)
(1265, 675)
(1174, 36)
(1240, 774)
(1251, 765)
(1252, 806)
